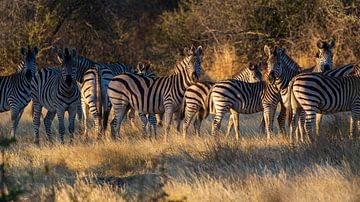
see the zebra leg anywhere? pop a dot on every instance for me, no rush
(281, 118)
(36, 121)
(198, 121)
(189, 115)
(85, 114)
(230, 125)
(168, 118)
(355, 117)
(262, 125)
(131, 117)
(152, 124)
(318, 122)
(268, 117)
(159, 118)
(80, 116)
(72, 115)
(310, 117)
(61, 115)
(144, 121)
(119, 114)
(178, 120)
(217, 122)
(47, 122)
(235, 116)
(15, 118)
(293, 124)
(106, 116)
(301, 127)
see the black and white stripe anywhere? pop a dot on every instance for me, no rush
(318, 93)
(196, 97)
(94, 79)
(56, 90)
(15, 89)
(154, 96)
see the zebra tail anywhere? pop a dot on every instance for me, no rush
(99, 103)
(182, 112)
(289, 105)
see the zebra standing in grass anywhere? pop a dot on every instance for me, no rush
(56, 90)
(195, 101)
(282, 69)
(154, 96)
(15, 89)
(94, 79)
(319, 93)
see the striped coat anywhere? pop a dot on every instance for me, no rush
(56, 90)
(15, 89)
(154, 96)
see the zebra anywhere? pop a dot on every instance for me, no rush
(143, 68)
(196, 97)
(56, 90)
(15, 89)
(282, 69)
(319, 93)
(159, 95)
(94, 78)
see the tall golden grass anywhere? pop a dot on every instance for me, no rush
(196, 169)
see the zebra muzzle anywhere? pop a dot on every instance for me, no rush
(271, 78)
(28, 74)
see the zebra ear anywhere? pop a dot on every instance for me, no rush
(199, 50)
(267, 51)
(317, 55)
(60, 55)
(73, 53)
(23, 51)
(320, 44)
(251, 66)
(35, 50)
(332, 42)
(187, 51)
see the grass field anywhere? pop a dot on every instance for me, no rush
(195, 169)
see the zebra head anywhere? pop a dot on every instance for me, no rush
(29, 61)
(274, 65)
(193, 67)
(143, 67)
(254, 72)
(68, 65)
(324, 56)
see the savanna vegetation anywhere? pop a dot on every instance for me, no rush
(199, 168)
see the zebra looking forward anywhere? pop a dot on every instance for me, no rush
(195, 101)
(56, 90)
(318, 93)
(15, 89)
(154, 96)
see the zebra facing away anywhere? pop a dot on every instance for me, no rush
(318, 93)
(56, 90)
(154, 96)
(15, 89)
(195, 101)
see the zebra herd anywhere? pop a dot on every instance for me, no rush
(81, 87)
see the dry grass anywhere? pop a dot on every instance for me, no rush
(196, 169)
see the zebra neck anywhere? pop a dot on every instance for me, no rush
(21, 80)
(83, 64)
(65, 88)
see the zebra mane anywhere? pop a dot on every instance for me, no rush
(181, 65)
(288, 62)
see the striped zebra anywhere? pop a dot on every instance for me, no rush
(154, 96)
(94, 79)
(282, 69)
(15, 89)
(319, 93)
(56, 90)
(195, 101)
(143, 68)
